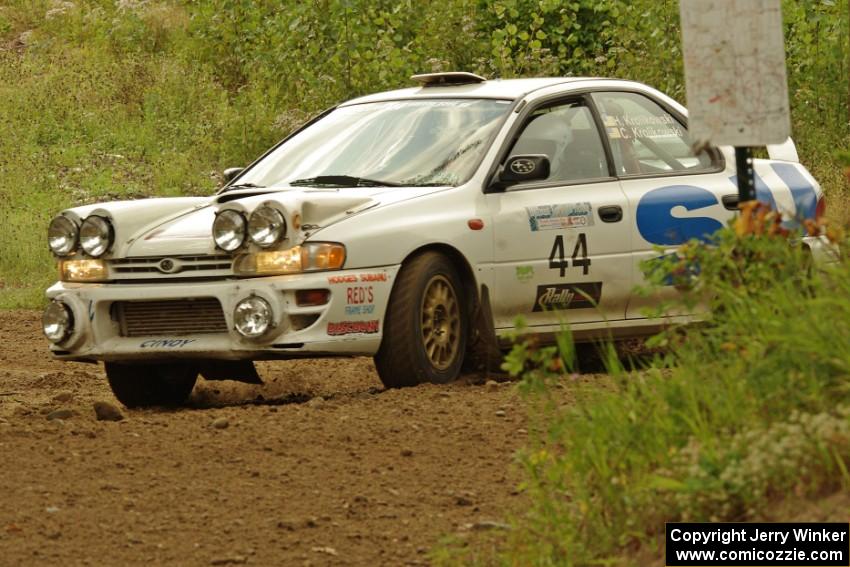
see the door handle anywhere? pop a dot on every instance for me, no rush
(611, 213)
(730, 202)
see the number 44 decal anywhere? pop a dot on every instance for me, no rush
(558, 260)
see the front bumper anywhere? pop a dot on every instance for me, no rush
(350, 323)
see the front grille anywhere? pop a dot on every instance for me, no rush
(172, 267)
(173, 317)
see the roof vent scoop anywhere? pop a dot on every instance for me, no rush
(447, 79)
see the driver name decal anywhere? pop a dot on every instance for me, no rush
(556, 217)
(557, 297)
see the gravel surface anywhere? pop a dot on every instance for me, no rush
(319, 466)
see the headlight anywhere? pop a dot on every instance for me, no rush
(309, 257)
(252, 317)
(266, 226)
(62, 236)
(57, 322)
(96, 236)
(229, 230)
(82, 270)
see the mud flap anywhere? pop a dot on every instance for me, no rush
(238, 370)
(484, 354)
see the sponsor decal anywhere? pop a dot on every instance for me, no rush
(360, 300)
(556, 217)
(658, 224)
(353, 327)
(525, 273)
(359, 294)
(557, 297)
(166, 343)
(354, 278)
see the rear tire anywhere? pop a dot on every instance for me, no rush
(145, 385)
(426, 325)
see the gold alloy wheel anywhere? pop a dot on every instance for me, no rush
(440, 317)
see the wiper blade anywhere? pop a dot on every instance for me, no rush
(343, 181)
(246, 186)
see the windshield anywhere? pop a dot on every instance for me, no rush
(405, 142)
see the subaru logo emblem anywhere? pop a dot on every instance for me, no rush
(169, 266)
(523, 166)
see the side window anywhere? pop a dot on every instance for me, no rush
(567, 135)
(645, 138)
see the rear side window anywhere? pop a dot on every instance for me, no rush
(565, 133)
(646, 139)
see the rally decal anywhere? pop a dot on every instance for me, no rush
(166, 343)
(360, 300)
(354, 278)
(805, 197)
(558, 260)
(655, 220)
(353, 327)
(524, 273)
(557, 297)
(556, 217)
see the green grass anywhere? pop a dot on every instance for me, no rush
(744, 410)
(120, 100)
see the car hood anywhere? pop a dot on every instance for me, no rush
(182, 225)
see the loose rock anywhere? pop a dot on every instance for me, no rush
(500, 413)
(316, 402)
(63, 413)
(63, 397)
(104, 411)
(221, 423)
(232, 560)
(491, 385)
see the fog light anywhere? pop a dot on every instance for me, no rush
(82, 271)
(312, 297)
(57, 322)
(252, 317)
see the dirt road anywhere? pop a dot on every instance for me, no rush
(320, 466)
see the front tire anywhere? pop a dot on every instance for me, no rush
(145, 385)
(426, 325)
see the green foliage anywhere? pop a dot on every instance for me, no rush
(747, 407)
(126, 99)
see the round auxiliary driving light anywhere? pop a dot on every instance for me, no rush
(57, 322)
(95, 236)
(229, 230)
(62, 236)
(266, 226)
(252, 317)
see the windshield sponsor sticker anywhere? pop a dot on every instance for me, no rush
(557, 297)
(556, 217)
(353, 328)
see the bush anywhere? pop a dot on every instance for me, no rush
(743, 409)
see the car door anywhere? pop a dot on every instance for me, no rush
(676, 194)
(561, 245)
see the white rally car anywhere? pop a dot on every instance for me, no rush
(410, 226)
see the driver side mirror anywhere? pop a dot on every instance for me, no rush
(231, 173)
(524, 168)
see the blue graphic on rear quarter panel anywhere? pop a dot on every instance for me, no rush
(657, 224)
(805, 197)
(763, 192)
